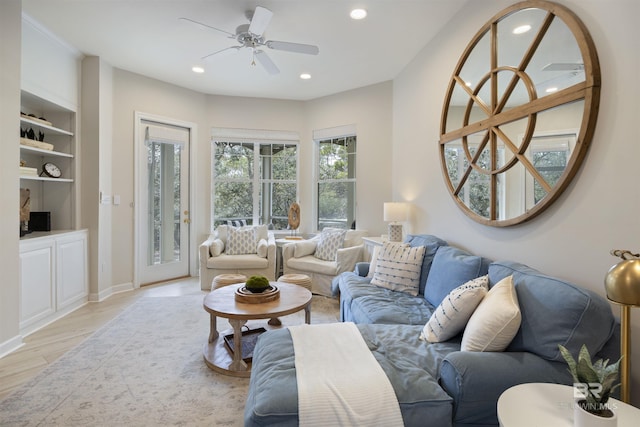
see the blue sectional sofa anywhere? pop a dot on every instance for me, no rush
(437, 381)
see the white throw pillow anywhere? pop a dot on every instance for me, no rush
(398, 267)
(496, 319)
(453, 313)
(331, 239)
(262, 248)
(304, 248)
(241, 241)
(374, 261)
(216, 248)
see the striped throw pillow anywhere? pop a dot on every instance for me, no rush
(398, 267)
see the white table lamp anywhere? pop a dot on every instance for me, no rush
(395, 213)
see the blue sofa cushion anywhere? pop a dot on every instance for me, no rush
(431, 244)
(555, 312)
(451, 268)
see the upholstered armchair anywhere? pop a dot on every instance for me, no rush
(323, 257)
(249, 250)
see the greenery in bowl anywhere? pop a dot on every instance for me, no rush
(257, 284)
(597, 380)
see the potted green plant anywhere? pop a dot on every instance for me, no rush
(595, 382)
(257, 284)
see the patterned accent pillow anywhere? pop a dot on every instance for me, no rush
(496, 321)
(241, 241)
(398, 267)
(331, 239)
(453, 313)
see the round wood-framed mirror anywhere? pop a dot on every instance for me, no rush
(519, 113)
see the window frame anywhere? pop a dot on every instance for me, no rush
(323, 135)
(257, 138)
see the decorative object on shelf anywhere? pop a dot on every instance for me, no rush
(594, 383)
(50, 170)
(294, 220)
(395, 213)
(36, 144)
(34, 118)
(25, 210)
(622, 284)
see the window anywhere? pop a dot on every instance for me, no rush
(336, 183)
(253, 182)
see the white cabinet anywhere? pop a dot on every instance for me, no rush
(71, 269)
(54, 277)
(37, 298)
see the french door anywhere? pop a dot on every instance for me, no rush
(163, 208)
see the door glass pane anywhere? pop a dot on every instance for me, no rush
(164, 202)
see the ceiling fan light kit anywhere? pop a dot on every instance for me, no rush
(251, 36)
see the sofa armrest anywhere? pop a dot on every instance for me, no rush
(476, 380)
(347, 258)
(271, 248)
(362, 268)
(204, 250)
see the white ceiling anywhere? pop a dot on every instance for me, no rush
(146, 37)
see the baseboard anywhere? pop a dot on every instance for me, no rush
(11, 345)
(103, 295)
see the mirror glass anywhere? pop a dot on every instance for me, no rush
(519, 113)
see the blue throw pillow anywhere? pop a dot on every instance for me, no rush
(451, 268)
(431, 245)
(555, 312)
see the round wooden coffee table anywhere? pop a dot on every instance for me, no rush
(221, 302)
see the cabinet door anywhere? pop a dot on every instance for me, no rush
(37, 298)
(72, 277)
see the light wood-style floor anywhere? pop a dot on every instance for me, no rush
(46, 345)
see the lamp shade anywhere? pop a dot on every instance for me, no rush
(395, 211)
(622, 282)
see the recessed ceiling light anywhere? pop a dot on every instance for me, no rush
(551, 89)
(358, 14)
(521, 29)
(305, 76)
(197, 69)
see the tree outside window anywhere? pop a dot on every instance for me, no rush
(254, 183)
(337, 182)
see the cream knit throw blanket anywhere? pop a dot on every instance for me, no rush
(340, 382)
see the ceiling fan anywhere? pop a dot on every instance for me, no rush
(251, 36)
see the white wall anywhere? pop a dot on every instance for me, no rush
(598, 211)
(9, 182)
(369, 109)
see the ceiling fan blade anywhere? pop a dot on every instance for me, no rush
(293, 47)
(260, 20)
(207, 27)
(222, 52)
(266, 62)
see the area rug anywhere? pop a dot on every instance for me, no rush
(144, 368)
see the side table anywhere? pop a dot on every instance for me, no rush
(542, 404)
(370, 242)
(279, 244)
